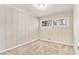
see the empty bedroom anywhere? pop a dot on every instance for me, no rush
(39, 29)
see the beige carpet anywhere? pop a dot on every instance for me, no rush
(41, 47)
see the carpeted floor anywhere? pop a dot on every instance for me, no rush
(41, 47)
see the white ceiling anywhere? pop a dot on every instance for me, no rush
(50, 9)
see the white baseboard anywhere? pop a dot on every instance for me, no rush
(68, 44)
(58, 42)
(75, 50)
(32, 41)
(18, 45)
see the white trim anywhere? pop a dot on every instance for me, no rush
(58, 42)
(75, 49)
(35, 40)
(18, 45)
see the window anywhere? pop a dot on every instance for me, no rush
(47, 23)
(62, 22)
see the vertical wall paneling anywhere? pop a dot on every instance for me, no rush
(16, 27)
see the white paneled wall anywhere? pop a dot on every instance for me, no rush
(76, 28)
(58, 34)
(16, 27)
